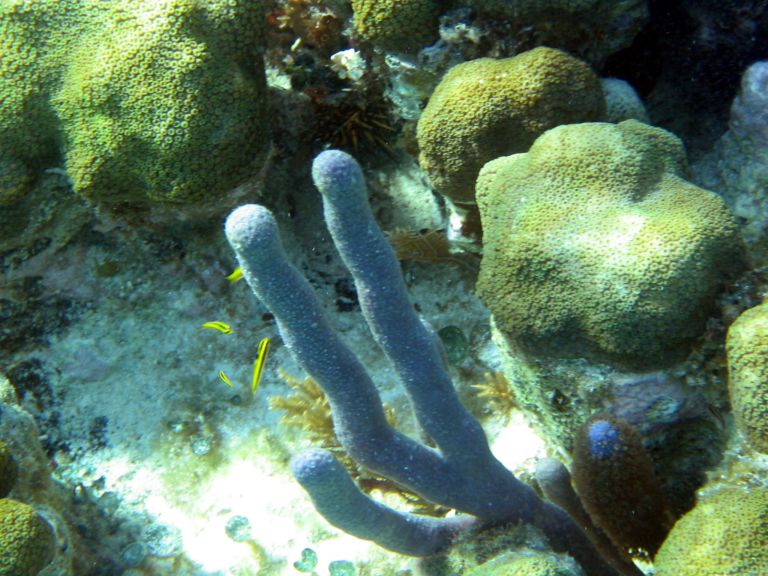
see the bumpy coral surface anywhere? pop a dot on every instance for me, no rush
(26, 541)
(747, 347)
(488, 108)
(726, 534)
(596, 246)
(34, 40)
(147, 103)
(400, 25)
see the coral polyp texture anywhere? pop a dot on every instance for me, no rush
(726, 534)
(26, 540)
(747, 350)
(461, 472)
(146, 104)
(398, 25)
(486, 108)
(596, 245)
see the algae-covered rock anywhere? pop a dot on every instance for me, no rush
(528, 563)
(9, 470)
(398, 25)
(486, 108)
(596, 246)
(747, 349)
(726, 534)
(26, 540)
(160, 102)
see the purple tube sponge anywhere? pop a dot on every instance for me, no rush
(461, 472)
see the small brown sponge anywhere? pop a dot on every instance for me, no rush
(747, 349)
(398, 25)
(613, 475)
(726, 534)
(596, 246)
(486, 108)
(528, 563)
(9, 470)
(26, 540)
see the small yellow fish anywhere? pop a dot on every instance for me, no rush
(220, 326)
(236, 275)
(225, 378)
(258, 364)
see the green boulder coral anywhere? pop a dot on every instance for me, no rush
(398, 25)
(747, 348)
(486, 108)
(726, 534)
(26, 540)
(596, 246)
(161, 102)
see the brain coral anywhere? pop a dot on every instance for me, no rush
(596, 246)
(726, 534)
(33, 45)
(486, 108)
(399, 25)
(26, 540)
(747, 348)
(161, 101)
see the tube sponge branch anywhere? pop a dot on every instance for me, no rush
(461, 473)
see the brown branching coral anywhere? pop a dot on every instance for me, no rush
(307, 409)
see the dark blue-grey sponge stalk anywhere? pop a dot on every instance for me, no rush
(462, 473)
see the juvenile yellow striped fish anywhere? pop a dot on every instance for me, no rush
(258, 364)
(225, 378)
(236, 275)
(220, 326)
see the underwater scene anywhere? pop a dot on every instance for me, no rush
(383, 288)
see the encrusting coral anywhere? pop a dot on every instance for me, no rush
(726, 534)
(26, 540)
(747, 350)
(160, 104)
(596, 246)
(461, 473)
(486, 108)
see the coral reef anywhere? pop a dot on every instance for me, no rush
(747, 349)
(488, 108)
(26, 540)
(724, 535)
(161, 105)
(597, 247)
(398, 25)
(463, 473)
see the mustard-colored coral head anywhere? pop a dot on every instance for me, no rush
(726, 534)
(596, 246)
(486, 108)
